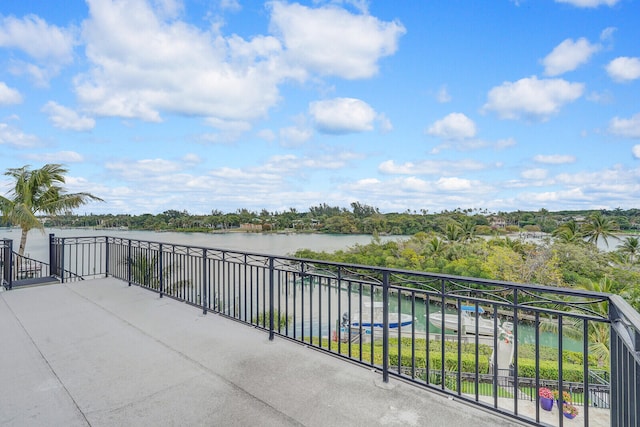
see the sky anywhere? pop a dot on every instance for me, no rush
(202, 105)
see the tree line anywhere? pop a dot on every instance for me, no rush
(357, 219)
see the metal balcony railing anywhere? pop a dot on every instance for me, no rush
(489, 343)
(18, 268)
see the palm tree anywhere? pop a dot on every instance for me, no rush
(598, 333)
(36, 192)
(631, 247)
(453, 231)
(599, 226)
(468, 230)
(568, 232)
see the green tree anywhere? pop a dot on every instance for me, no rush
(599, 227)
(599, 331)
(631, 247)
(569, 232)
(453, 232)
(38, 191)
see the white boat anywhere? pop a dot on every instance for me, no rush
(364, 320)
(467, 321)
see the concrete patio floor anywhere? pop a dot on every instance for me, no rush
(102, 353)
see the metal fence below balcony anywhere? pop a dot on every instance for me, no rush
(495, 344)
(20, 270)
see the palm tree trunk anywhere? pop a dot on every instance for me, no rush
(23, 242)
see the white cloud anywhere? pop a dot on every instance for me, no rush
(137, 67)
(571, 195)
(9, 96)
(10, 135)
(38, 39)
(454, 184)
(589, 3)
(267, 134)
(289, 164)
(156, 170)
(534, 174)
(629, 128)
(568, 56)
(624, 69)
(238, 126)
(415, 191)
(293, 136)
(59, 157)
(384, 124)
(332, 41)
(65, 118)
(191, 158)
(554, 159)
(606, 35)
(342, 115)
(636, 151)
(169, 9)
(616, 183)
(49, 45)
(532, 98)
(505, 143)
(607, 188)
(431, 167)
(453, 126)
(230, 5)
(443, 95)
(137, 56)
(605, 97)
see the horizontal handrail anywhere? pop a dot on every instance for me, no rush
(539, 335)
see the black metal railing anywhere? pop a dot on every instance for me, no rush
(6, 262)
(18, 268)
(490, 343)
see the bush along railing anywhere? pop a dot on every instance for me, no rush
(490, 343)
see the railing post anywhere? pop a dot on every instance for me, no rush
(129, 263)
(52, 254)
(61, 266)
(271, 299)
(106, 267)
(8, 269)
(205, 282)
(161, 272)
(385, 329)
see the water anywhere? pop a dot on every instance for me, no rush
(271, 244)
(317, 322)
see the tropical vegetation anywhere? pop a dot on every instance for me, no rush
(37, 193)
(364, 219)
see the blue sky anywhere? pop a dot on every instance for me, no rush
(199, 105)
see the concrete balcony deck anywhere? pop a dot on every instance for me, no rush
(102, 353)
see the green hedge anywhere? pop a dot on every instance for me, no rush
(528, 351)
(572, 372)
(549, 370)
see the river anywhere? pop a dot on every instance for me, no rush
(270, 244)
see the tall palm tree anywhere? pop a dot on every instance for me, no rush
(38, 191)
(599, 227)
(631, 247)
